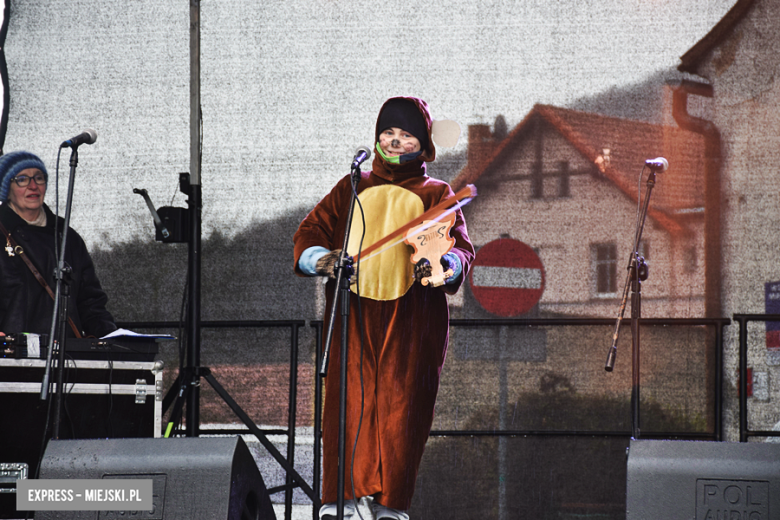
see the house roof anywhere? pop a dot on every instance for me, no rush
(630, 143)
(692, 59)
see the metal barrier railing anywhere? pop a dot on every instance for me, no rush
(716, 435)
(717, 323)
(742, 320)
(293, 325)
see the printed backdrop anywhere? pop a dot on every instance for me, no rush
(560, 103)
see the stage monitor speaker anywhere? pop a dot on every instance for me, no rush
(193, 478)
(690, 480)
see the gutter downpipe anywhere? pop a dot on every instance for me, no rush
(712, 224)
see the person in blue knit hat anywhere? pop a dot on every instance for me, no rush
(13, 164)
(27, 228)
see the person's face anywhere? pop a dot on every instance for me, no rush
(28, 198)
(395, 141)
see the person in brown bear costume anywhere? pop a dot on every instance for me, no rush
(399, 335)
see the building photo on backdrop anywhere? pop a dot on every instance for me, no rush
(573, 118)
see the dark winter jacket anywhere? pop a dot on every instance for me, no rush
(25, 306)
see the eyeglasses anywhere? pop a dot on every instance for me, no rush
(24, 180)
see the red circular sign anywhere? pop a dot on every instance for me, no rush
(507, 277)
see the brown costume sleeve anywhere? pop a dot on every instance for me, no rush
(462, 248)
(319, 226)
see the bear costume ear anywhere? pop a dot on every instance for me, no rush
(445, 133)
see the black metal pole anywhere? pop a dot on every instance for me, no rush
(612, 354)
(719, 382)
(344, 290)
(60, 316)
(743, 382)
(341, 293)
(61, 332)
(317, 420)
(636, 316)
(640, 273)
(637, 271)
(193, 321)
(288, 492)
(194, 251)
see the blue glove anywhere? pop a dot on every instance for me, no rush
(451, 261)
(307, 263)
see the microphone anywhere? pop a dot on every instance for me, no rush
(659, 164)
(361, 155)
(88, 136)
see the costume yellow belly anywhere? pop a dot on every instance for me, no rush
(389, 274)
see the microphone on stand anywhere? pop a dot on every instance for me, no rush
(88, 136)
(659, 164)
(361, 155)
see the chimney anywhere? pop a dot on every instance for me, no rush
(666, 109)
(481, 146)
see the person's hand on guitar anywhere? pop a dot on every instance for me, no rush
(449, 261)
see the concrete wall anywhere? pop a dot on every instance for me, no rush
(743, 69)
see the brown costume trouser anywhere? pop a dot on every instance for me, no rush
(404, 345)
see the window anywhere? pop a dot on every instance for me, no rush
(604, 260)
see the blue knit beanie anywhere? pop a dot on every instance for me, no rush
(14, 162)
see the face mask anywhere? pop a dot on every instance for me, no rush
(398, 159)
(392, 160)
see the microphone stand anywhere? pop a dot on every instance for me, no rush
(637, 273)
(59, 323)
(341, 293)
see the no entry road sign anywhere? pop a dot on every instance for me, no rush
(507, 277)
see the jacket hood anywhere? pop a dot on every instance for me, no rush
(429, 153)
(415, 167)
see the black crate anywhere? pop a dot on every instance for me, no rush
(102, 399)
